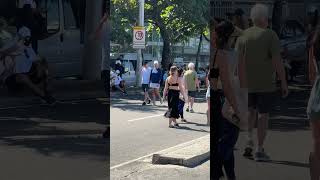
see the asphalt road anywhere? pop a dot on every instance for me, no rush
(137, 130)
(62, 142)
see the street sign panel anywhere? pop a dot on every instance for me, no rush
(139, 37)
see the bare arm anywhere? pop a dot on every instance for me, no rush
(226, 83)
(99, 29)
(242, 63)
(242, 71)
(165, 89)
(182, 89)
(279, 68)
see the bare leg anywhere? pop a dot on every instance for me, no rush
(170, 121)
(154, 96)
(251, 122)
(25, 80)
(262, 130)
(315, 155)
(191, 102)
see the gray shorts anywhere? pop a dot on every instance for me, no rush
(145, 87)
(192, 94)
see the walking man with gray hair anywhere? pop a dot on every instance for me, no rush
(191, 85)
(259, 53)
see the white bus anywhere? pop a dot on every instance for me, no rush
(65, 22)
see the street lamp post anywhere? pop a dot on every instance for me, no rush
(139, 51)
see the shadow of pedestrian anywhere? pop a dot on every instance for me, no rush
(197, 124)
(290, 163)
(191, 129)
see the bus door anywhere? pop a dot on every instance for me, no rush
(62, 48)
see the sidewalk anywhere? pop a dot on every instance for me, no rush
(144, 168)
(62, 90)
(288, 142)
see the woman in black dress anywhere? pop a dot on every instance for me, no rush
(173, 88)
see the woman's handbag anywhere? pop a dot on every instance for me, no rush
(167, 114)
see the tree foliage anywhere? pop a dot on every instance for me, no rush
(175, 20)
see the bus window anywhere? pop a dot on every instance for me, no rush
(69, 15)
(50, 10)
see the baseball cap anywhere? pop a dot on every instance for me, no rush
(24, 32)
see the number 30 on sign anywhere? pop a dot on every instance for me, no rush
(139, 37)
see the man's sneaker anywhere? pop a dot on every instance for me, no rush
(149, 101)
(191, 111)
(187, 109)
(249, 150)
(161, 101)
(49, 99)
(144, 103)
(248, 153)
(261, 157)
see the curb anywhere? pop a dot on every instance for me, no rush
(189, 155)
(187, 162)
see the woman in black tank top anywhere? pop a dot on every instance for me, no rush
(172, 91)
(224, 134)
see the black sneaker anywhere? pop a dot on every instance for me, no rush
(144, 103)
(149, 101)
(49, 100)
(248, 153)
(187, 109)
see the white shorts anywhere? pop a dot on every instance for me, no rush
(155, 85)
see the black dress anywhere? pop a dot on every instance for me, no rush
(173, 101)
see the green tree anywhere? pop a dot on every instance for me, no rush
(175, 20)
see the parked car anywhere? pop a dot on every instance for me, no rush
(202, 76)
(294, 51)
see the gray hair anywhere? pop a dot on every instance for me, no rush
(259, 12)
(191, 65)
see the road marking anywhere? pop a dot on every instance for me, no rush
(158, 152)
(148, 117)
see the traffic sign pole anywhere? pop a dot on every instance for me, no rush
(139, 52)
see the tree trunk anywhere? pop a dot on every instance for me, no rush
(198, 52)
(166, 50)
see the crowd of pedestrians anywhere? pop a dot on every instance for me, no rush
(245, 63)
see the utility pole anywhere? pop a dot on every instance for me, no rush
(139, 51)
(92, 53)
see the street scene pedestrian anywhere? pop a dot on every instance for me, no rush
(182, 99)
(260, 49)
(192, 85)
(172, 90)
(155, 82)
(146, 75)
(229, 104)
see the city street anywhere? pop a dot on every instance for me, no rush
(138, 131)
(54, 142)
